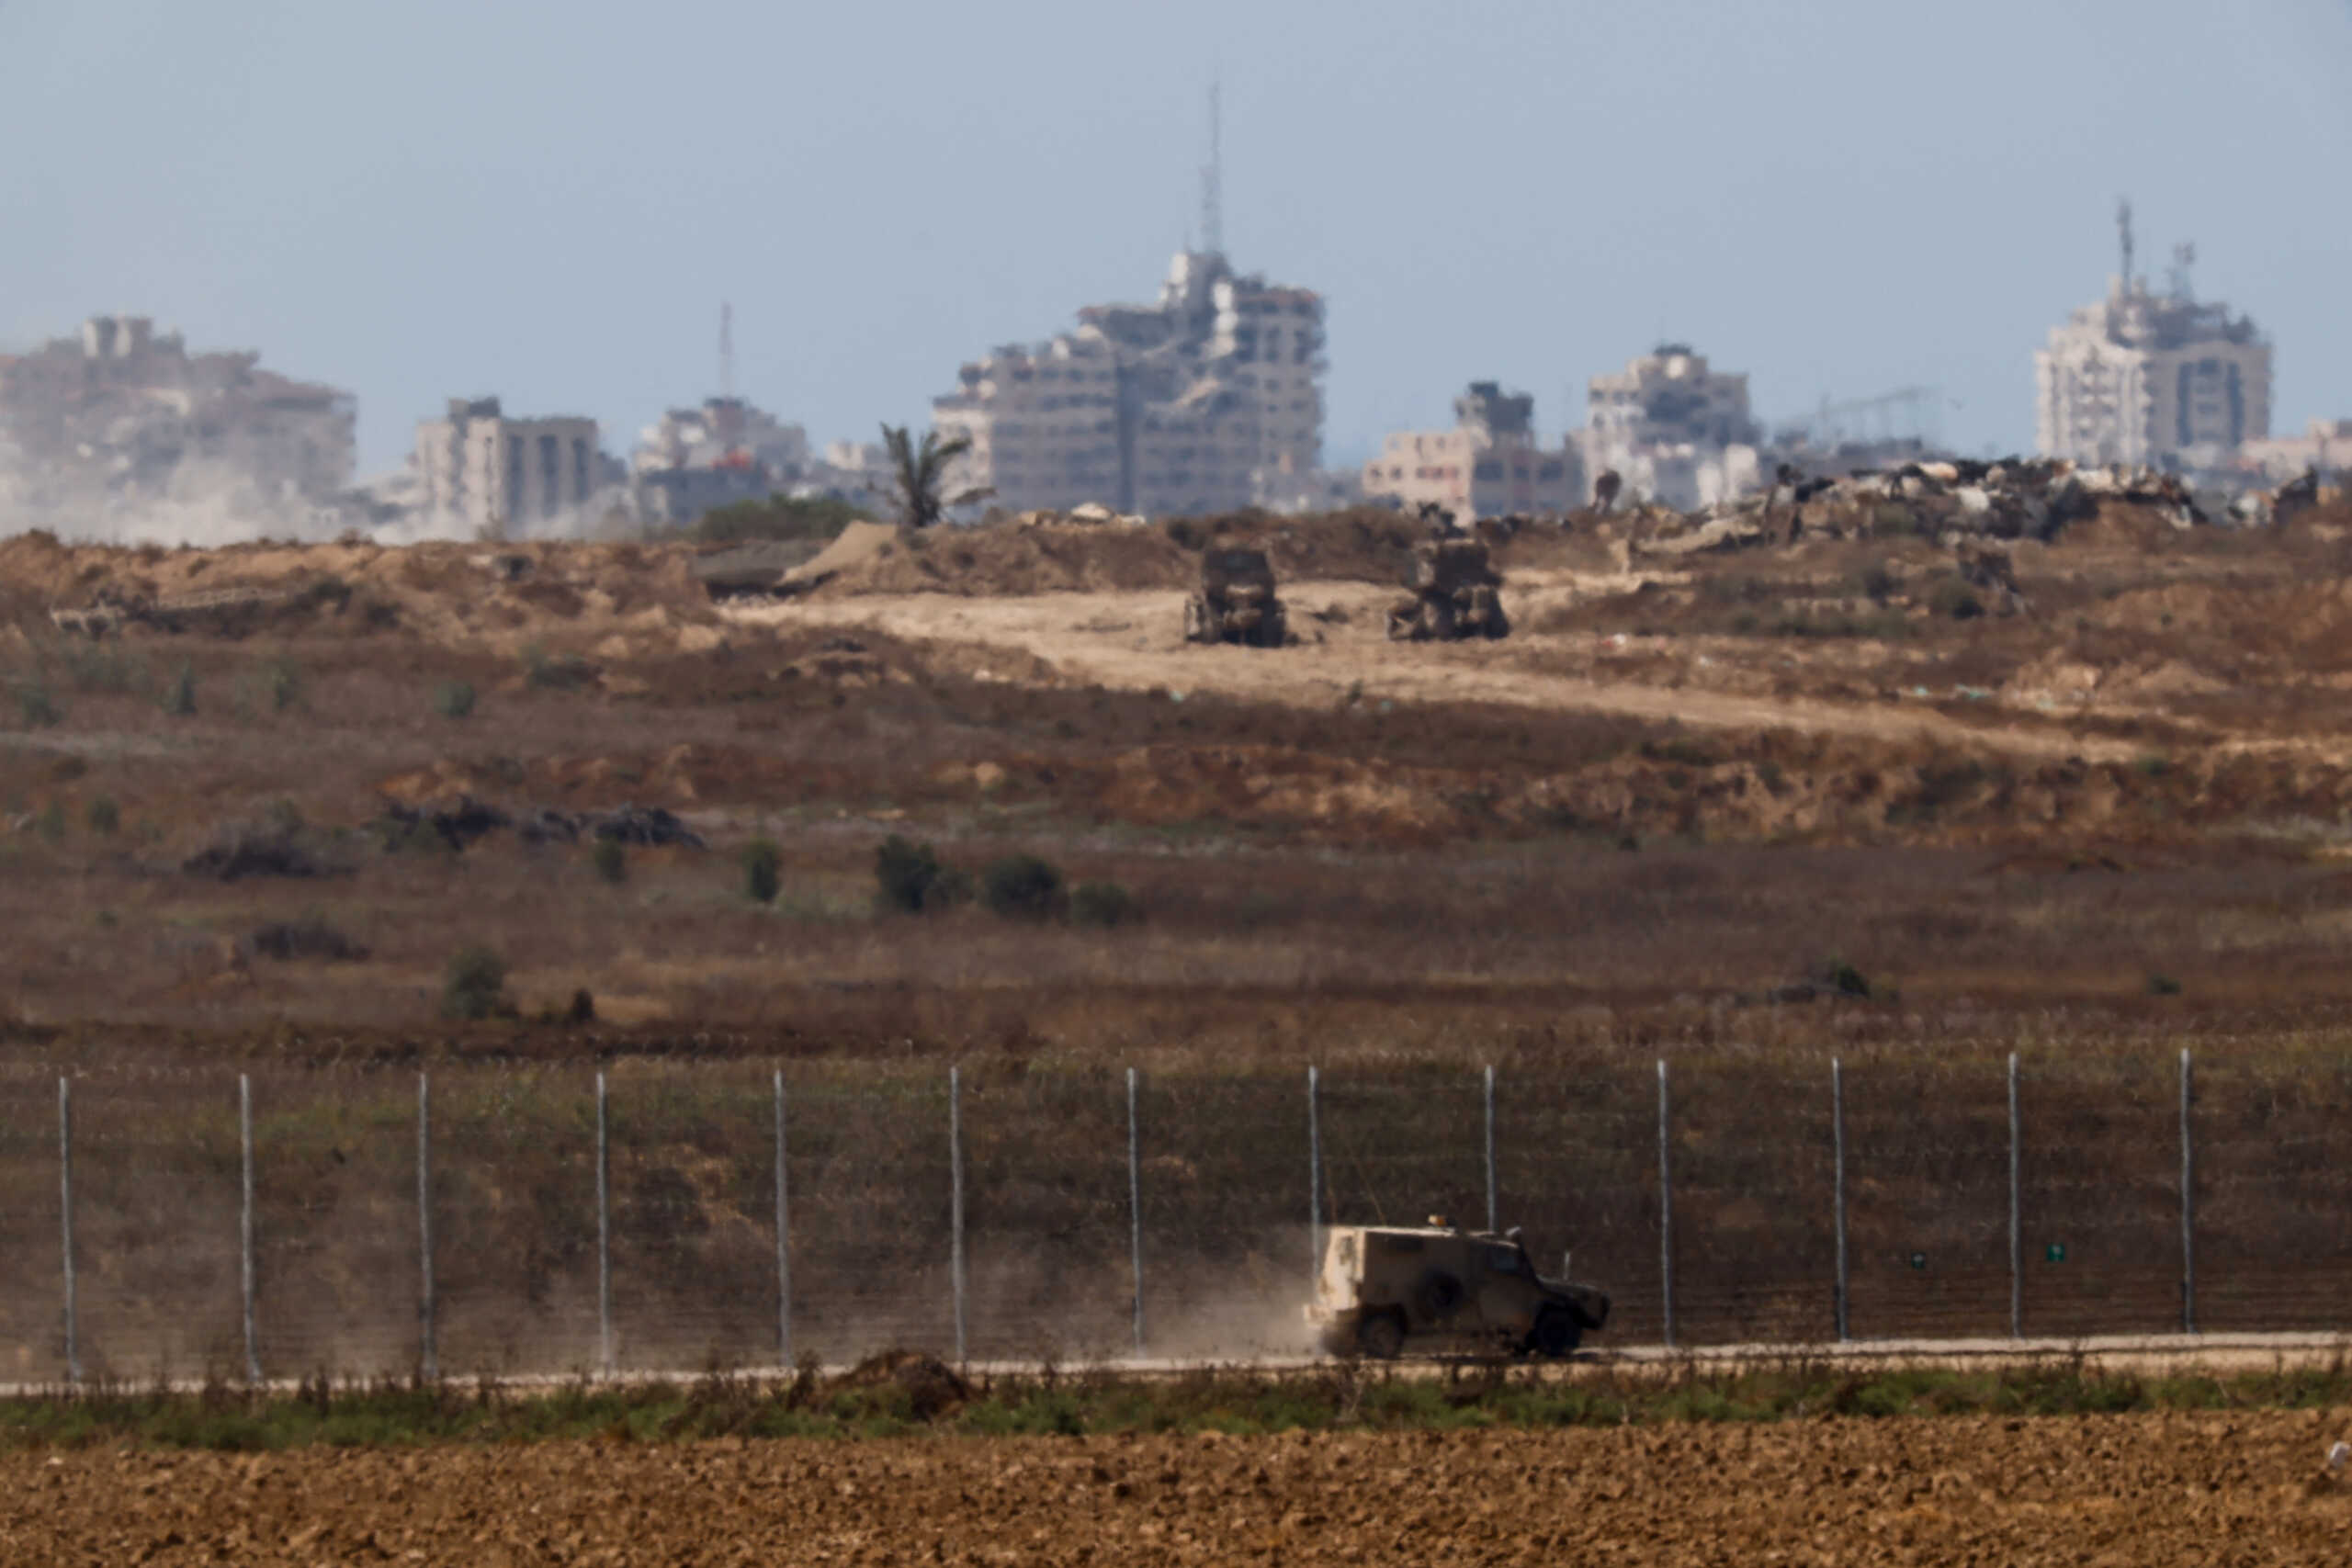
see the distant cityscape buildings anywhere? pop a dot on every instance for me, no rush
(1208, 399)
(120, 418)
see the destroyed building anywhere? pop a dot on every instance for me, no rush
(2148, 378)
(481, 471)
(1674, 431)
(1489, 463)
(691, 460)
(1164, 409)
(122, 418)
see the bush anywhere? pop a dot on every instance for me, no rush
(453, 699)
(558, 672)
(179, 697)
(778, 517)
(104, 817)
(1103, 904)
(1023, 887)
(283, 678)
(310, 937)
(475, 985)
(38, 707)
(1878, 583)
(51, 823)
(610, 859)
(763, 870)
(2163, 985)
(909, 879)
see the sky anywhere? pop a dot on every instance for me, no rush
(417, 199)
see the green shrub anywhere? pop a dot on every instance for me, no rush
(610, 859)
(1103, 904)
(51, 823)
(179, 697)
(1845, 979)
(474, 987)
(104, 817)
(453, 699)
(39, 708)
(1023, 887)
(909, 879)
(2163, 985)
(282, 678)
(543, 672)
(763, 870)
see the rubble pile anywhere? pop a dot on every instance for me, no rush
(459, 822)
(2017, 498)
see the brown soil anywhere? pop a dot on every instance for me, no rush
(2139, 1490)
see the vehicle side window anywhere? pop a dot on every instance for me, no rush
(1504, 1260)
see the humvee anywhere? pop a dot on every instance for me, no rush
(1383, 1288)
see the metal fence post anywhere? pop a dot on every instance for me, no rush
(1493, 1221)
(1314, 1184)
(1838, 1172)
(1135, 1206)
(782, 1238)
(428, 1359)
(66, 1223)
(956, 1182)
(245, 1227)
(1665, 1212)
(603, 1234)
(2187, 1206)
(2017, 1227)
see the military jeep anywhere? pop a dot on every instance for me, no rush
(1384, 1289)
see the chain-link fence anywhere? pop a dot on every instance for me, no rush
(675, 1216)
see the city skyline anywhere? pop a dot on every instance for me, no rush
(532, 247)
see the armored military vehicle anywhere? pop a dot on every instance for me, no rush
(1456, 593)
(1384, 1289)
(1237, 600)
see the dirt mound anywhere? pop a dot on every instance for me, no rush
(623, 599)
(932, 1386)
(2155, 1490)
(1014, 559)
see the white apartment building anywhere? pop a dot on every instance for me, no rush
(481, 471)
(1676, 432)
(1489, 463)
(1165, 408)
(2151, 379)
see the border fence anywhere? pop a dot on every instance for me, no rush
(668, 1216)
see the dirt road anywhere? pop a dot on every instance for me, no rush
(1133, 642)
(2144, 1490)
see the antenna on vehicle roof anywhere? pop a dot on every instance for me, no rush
(727, 350)
(1212, 181)
(2123, 231)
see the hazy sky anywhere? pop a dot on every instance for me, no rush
(417, 199)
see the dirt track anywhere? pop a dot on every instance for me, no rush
(2139, 1490)
(1132, 642)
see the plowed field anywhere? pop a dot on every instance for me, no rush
(2139, 1490)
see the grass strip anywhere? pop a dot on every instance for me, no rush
(898, 1395)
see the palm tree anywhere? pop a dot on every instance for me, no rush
(923, 470)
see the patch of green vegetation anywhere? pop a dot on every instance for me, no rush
(474, 987)
(778, 517)
(453, 699)
(1239, 1402)
(763, 870)
(179, 696)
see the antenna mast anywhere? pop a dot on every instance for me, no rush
(1212, 183)
(727, 350)
(2123, 229)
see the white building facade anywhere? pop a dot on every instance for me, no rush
(482, 471)
(1488, 464)
(1675, 431)
(2148, 379)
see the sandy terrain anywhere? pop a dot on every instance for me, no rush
(1133, 642)
(2220, 1488)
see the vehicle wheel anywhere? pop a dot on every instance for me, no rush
(1556, 1333)
(1381, 1336)
(1196, 621)
(1271, 630)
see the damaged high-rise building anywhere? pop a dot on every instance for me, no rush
(1162, 409)
(2142, 377)
(122, 422)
